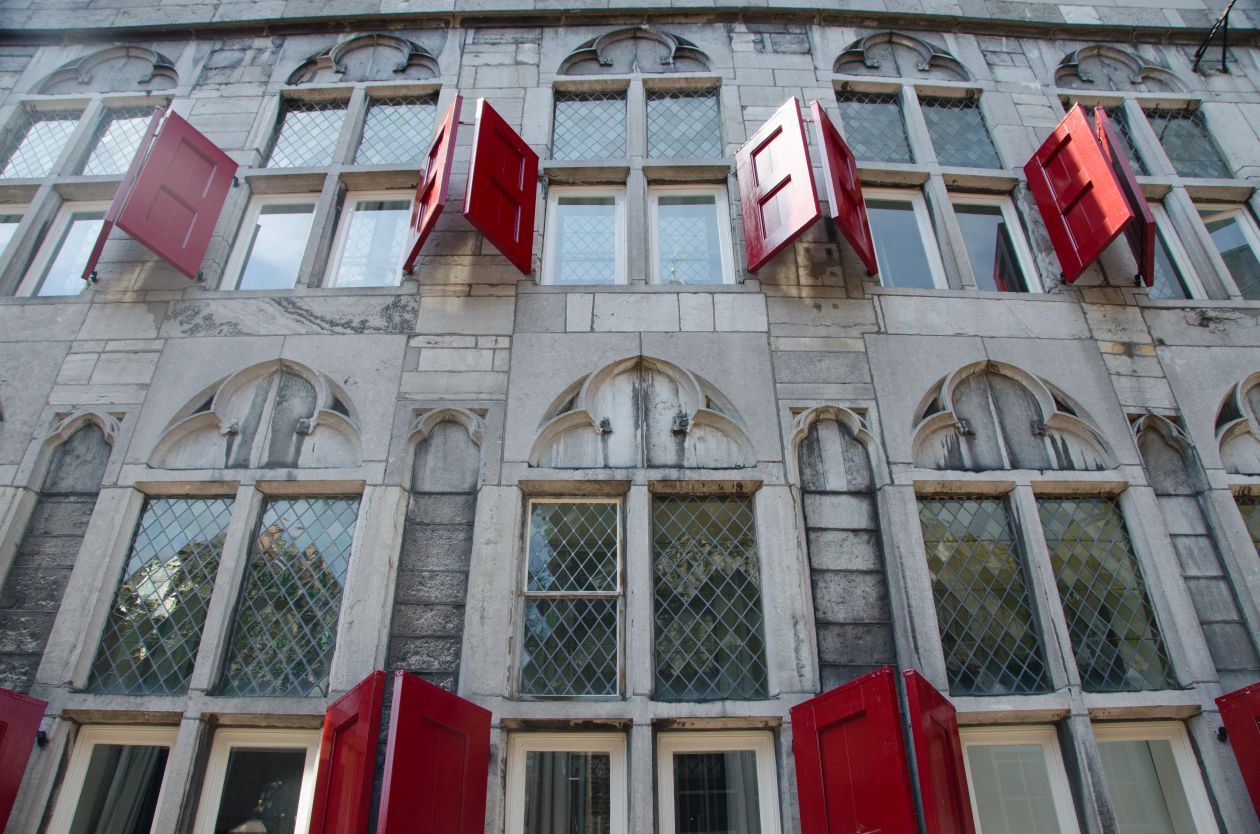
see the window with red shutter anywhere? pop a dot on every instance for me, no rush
(939, 758)
(1140, 232)
(502, 188)
(19, 721)
(434, 181)
(844, 188)
(1240, 710)
(347, 759)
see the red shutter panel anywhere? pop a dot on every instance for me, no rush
(850, 760)
(1079, 198)
(502, 188)
(19, 721)
(347, 760)
(844, 188)
(434, 180)
(1240, 710)
(1140, 232)
(939, 756)
(125, 186)
(776, 185)
(436, 762)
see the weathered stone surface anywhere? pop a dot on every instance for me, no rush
(844, 550)
(435, 508)
(291, 315)
(447, 587)
(841, 597)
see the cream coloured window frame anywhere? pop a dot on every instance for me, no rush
(721, 203)
(88, 738)
(341, 239)
(1046, 738)
(51, 245)
(1023, 255)
(235, 270)
(761, 743)
(618, 195)
(923, 218)
(1173, 732)
(225, 741)
(521, 744)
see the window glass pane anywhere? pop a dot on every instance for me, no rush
(276, 244)
(716, 793)
(1011, 784)
(987, 628)
(1186, 140)
(873, 127)
(709, 636)
(1113, 630)
(154, 628)
(989, 249)
(38, 143)
(1120, 120)
(8, 228)
(687, 232)
(64, 276)
(683, 125)
(308, 134)
(1168, 281)
(569, 793)
(1249, 506)
(397, 130)
(371, 251)
(1231, 242)
(1145, 787)
(589, 126)
(286, 621)
(120, 789)
(573, 547)
(959, 133)
(261, 791)
(584, 241)
(903, 261)
(117, 142)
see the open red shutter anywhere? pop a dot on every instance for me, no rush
(1240, 710)
(844, 188)
(19, 721)
(431, 192)
(776, 185)
(850, 760)
(502, 187)
(939, 756)
(1140, 232)
(1078, 196)
(436, 762)
(347, 760)
(125, 186)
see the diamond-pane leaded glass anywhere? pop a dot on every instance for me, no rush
(286, 621)
(38, 143)
(1120, 120)
(959, 133)
(155, 622)
(710, 642)
(308, 134)
(873, 126)
(117, 141)
(683, 125)
(1187, 142)
(589, 126)
(1113, 631)
(1249, 506)
(397, 130)
(573, 547)
(987, 628)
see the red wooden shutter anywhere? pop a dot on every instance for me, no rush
(19, 721)
(502, 187)
(844, 188)
(436, 177)
(347, 760)
(1078, 196)
(1140, 231)
(939, 756)
(776, 185)
(850, 760)
(1240, 710)
(436, 762)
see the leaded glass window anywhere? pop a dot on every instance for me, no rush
(589, 126)
(710, 641)
(117, 141)
(155, 622)
(1114, 634)
(286, 620)
(959, 133)
(308, 134)
(37, 143)
(874, 127)
(370, 241)
(585, 233)
(1235, 237)
(1189, 145)
(690, 238)
(572, 599)
(683, 124)
(397, 130)
(1120, 120)
(988, 631)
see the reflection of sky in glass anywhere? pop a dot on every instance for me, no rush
(276, 246)
(117, 145)
(688, 236)
(64, 275)
(1230, 241)
(899, 244)
(1167, 277)
(982, 233)
(585, 241)
(8, 225)
(371, 254)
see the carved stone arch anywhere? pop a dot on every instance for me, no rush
(68, 424)
(276, 414)
(447, 451)
(75, 451)
(990, 416)
(373, 57)
(635, 49)
(118, 69)
(1102, 66)
(853, 424)
(1238, 427)
(898, 55)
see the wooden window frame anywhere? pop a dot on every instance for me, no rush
(520, 744)
(89, 737)
(258, 739)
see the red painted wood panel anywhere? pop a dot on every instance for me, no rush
(502, 194)
(434, 181)
(19, 721)
(938, 755)
(844, 188)
(1240, 710)
(347, 760)
(124, 191)
(1140, 232)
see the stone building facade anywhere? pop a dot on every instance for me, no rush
(641, 502)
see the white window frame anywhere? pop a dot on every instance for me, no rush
(50, 247)
(1023, 255)
(256, 739)
(1247, 223)
(352, 199)
(520, 744)
(236, 262)
(1173, 732)
(618, 193)
(722, 206)
(76, 773)
(1047, 739)
(914, 196)
(1177, 252)
(760, 742)
(10, 210)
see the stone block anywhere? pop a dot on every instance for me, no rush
(695, 311)
(17, 671)
(442, 508)
(123, 368)
(622, 312)
(1182, 516)
(34, 589)
(1197, 555)
(24, 631)
(850, 597)
(540, 313)
(60, 517)
(578, 312)
(837, 511)
(1231, 647)
(462, 314)
(821, 366)
(428, 654)
(421, 586)
(1213, 599)
(427, 621)
(437, 547)
(844, 550)
(443, 359)
(856, 644)
(454, 384)
(739, 312)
